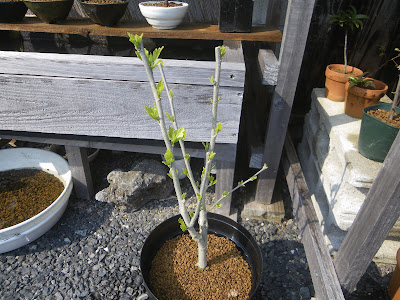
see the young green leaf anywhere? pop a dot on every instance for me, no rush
(182, 224)
(152, 112)
(264, 166)
(169, 157)
(240, 183)
(211, 180)
(203, 172)
(135, 39)
(169, 174)
(211, 156)
(160, 87)
(191, 214)
(211, 79)
(152, 58)
(171, 118)
(206, 145)
(197, 184)
(219, 98)
(198, 196)
(218, 205)
(185, 171)
(171, 94)
(225, 194)
(218, 128)
(183, 195)
(222, 50)
(187, 156)
(253, 178)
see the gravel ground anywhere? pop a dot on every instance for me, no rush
(93, 252)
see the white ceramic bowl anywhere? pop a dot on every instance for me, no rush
(25, 232)
(164, 17)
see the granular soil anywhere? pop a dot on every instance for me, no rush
(162, 4)
(24, 193)
(174, 274)
(104, 1)
(337, 70)
(383, 115)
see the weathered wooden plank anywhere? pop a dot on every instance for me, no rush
(297, 23)
(269, 66)
(225, 174)
(109, 108)
(184, 31)
(376, 217)
(116, 68)
(80, 170)
(4, 142)
(226, 152)
(325, 280)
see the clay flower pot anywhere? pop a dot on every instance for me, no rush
(163, 17)
(335, 81)
(50, 11)
(105, 12)
(357, 98)
(12, 11)
(394, 284)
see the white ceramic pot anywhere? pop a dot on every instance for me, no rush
(25, 232)
(164, 17)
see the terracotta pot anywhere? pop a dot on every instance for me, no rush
(394, 284)
(335, 81)
(357, 98)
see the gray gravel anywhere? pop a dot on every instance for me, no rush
(93, 252)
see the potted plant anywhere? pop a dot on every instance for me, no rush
(50, 11)
(161, 248)
(336, 74)
(235, 15)
(12, 11)
(362, 92)
(380, 125)
(164, 14)
(105, 12)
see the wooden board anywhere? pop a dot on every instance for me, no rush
(184, 31)
(323, 274)
(98, 98)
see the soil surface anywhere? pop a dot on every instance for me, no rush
(337, 70)
(384, 115)
(11, 1)
(174, 274)
(162, 4)
(24, 193)
(104, 1)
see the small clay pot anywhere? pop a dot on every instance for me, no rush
(12, 11)
(105, 14)
(335, 81)
(357, 98)
(394, 284)
(50, 11)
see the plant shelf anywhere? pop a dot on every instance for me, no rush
(184, 31)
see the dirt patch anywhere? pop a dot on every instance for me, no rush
(162, 4)
(24, 193)
(173, 274)
(104, 1)
(383, 115)
(337, 70)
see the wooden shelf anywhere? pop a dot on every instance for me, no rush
(184, 31)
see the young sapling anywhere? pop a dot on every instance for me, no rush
(173, 134)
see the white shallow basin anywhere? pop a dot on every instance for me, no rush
(164, 17)
(25, 232)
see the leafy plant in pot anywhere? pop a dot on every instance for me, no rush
(380, 125)
(165, 275)
(336, 74)
(164, 14)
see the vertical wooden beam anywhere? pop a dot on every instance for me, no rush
(326, 283)
(372, 224)
(225, 173)
(81, 176)
(298, 17)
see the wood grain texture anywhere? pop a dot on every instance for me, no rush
(376, 217)
(184, 31)
(225, 175)
(323, 274)
(297, 23)
(116, 68)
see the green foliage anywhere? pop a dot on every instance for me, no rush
(206, 145)
(136, 40)
(225, 194)
(159, 87)
(169, 158)
(183, 195)
(361, 81)
(241, 183)
(218, 128)
(152, 58)
(198, 196)
(218, 205)
(171, 118)
(176, 135)
(171, 94)
(187, 156)
(182, 224)
(212, 180)
(185, 171)
(211, 79)
(170, 174)
(222, 50)
(348, 18)
(152, 112)
(211, 156)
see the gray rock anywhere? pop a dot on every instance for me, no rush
(147, 181)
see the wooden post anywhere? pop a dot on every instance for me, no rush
(79, 164)
(298, 17)
(372, 224)
(326, 283)
(225, 173)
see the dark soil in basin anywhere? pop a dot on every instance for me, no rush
(383, 115)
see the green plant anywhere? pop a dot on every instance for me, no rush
(361, 81)
(397, 92)
(176, 135)
(348, 19)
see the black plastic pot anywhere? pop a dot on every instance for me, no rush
(217, 224)
(235, 15)
(105, 14)
(50, 11)
(13, 11)
(376, 137)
